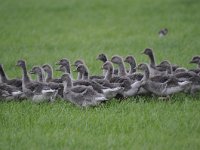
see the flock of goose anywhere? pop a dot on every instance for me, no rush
(162, 80)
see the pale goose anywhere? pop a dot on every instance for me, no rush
(95, 85)
(195, 60)
(39, 72)
(109, 90)
(65, 63)
(8, 92)
(129, 88)
(161, 89)
(36, 91)
(131, 61)
(152, 66)
(83, 96)
(122, 70)
(132, 72)
(163, 32)
(79, 77)
(5, 79)
(49, 71)
(102, 57)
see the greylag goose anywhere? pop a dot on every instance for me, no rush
(122, 71)
(109, 90)
(65, 63)
(80, 77)
(163, 32)
(102, 57)
(167, 88)
(119, 61)
(39, 72)
(131, 61)
(9, 92)
(95, 85)
(196, 60)
(130, 89)
(37, 91)
(5, 79)
(132, 72)
(80, 95)
(49, 71)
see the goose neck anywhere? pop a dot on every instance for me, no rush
(49, 75)
(3, 76)
(152, 59)
(122, 70)
(25, 77)
(109, 74)
(146, 74)
(132, 68)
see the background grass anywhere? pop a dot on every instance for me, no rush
(43, 31)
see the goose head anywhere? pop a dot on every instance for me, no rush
(163, 32)
(21, 63)
(107, 66)
(81, 68)
(166, 65)
(63, 61)
(148, 51)
(47, 68)
(66, 63)
(78, 62)
(195, 59)
(116, 60)
(36, 70)
(143, 67)
(102, 57)
(130, 60)
(62, 69)
(83, 71)
(66, 77)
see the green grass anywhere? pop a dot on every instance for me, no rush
(43, 31)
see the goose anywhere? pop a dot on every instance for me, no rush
(152, 66)
(131, 61)
(36, 91)
(65, 63)
(83, 96)
(39, 72)
(5, 79)
(79, 77)
(49, 71)
(129, 88)
(132, 72)
(122, 71)
(163, 32)
(9, 92)
(95, 85)
(167, 88)
(102, 57)
(196, 60)
(195, 85)
(108, 89)
(119, 61)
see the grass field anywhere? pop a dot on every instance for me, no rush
(43, 31)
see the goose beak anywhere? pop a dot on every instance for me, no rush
(58, 63)
(31, 72)
(75, 71)
(142, 52)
